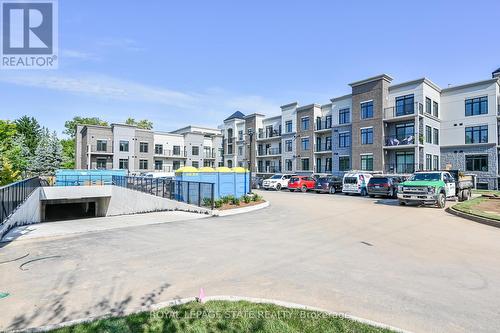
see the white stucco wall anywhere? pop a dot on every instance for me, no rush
(27, 213)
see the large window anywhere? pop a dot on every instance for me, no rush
(344, 116)
(288, 145)
(435, 136)
(344, 139)
(305, 164)
(304, 123)
(476, 163)
(288, 165)
(158, 165)
(240, 135)
(476, 134)
(404, 105)
(404, 131)
(428, 162)
(101, 163)
(124, 146)
(177, 150)
(102, 145)
(195, 150)
(143, 164)
(123, 164)
(476, 106)
(176, 165)
(435, 159)
(428, 134)
(305, 143)
(158, 149)
(367, 110)
(288, 126)
(405, 162)
(428, 105)
(143, 147)
(196, 164)
(344, 163)
(367, 136)
(435, 109)
(367, 162)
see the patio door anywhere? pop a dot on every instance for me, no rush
(405, 162)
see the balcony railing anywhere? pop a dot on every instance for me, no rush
(323, 124)
(323, 169)
(170, 153)
(399, 140)
(209, 155)
(404, 110)
(269, 151)
(99, 149)
(269, 134)
(402, 167)
(323, 147)
(269, 169)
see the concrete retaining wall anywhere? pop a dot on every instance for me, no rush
(27, 213)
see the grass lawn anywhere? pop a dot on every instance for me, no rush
(476, 207)
(486, 192)
(223, 316)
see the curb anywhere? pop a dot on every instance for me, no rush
(474, 218)
(241, 210)
(180, 301)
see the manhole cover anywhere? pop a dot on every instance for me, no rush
(3, 295)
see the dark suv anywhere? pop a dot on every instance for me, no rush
(383, 185)
(329, 184)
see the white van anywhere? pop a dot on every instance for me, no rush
(356, 183)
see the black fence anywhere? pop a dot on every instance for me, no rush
(195, 193)
(13, 195)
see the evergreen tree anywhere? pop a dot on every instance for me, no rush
(48, 155)
(30, 129)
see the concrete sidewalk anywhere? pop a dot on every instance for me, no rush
(62, 228)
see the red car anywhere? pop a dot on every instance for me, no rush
(302, 183)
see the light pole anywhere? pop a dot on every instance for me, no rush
(250, 135)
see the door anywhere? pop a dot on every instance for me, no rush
(449, 185)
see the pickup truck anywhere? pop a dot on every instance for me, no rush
(434, 187)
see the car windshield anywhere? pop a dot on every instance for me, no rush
(294, 179)
(276, 177)
(431, 176)
(379, 180)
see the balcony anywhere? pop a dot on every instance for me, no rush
(324, 125)
(269, 152)
(393, 141)
(269, 169)
(323, 169)
(274, 134)
(170, 153)
(323, 148)
(101, 149)
(403, 111)
(402, 168)
(208, 155)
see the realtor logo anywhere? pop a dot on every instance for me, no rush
(29, 34)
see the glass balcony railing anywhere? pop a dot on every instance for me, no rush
(269, 134)
(269, 151)
(403, 110)
(400, 140)
(323, 124)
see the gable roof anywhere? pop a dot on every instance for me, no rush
(236, 115)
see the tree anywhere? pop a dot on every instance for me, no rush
(8, 173)
(68, 153)
(70, 125)
(144, 124)
(30, 129)
(48, 155)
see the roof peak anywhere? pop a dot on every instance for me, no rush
(236, 115)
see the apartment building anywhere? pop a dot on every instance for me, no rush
(138, 150)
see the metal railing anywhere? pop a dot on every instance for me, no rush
(405, 110)
(200, 194)
(171, 153)
(269, 151)
(402, 167)
(399, 140)
(269, 134)
(269, 169)
(108, 149)
(323, 147)
(209, 155)
(323, 169)
(323, 124)
(13, 195)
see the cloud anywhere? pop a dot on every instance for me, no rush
(120, 43)
(67, 53)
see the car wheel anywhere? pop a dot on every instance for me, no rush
(303, 188)
(332, 190)
(402, 203)
(441, 202)
(291, 190)
(278, 187)
(372, 196)
(346, 193)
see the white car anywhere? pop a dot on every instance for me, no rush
(276, 182)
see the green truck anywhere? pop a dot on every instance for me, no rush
(434, 187)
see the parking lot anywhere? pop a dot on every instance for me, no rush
(417, 268)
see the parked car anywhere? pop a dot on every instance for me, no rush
(329, 184)
(257, 182)
(386, 186)
(277, 182)
(301, 183)
(434, 187)
(355, 183)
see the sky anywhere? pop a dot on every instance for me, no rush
(196, 62)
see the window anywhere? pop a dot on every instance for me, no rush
(305, 164)
(436, 162)
(328, 164)
(288, 145)
(159, 149)
(428, 105)
(328, 143)
(143, 147)
(405, 131)
(101, 163)
(305, 123)
(344, 140)
(240, 135)
(101, 145)
(196, 164)
(344, 116)
(435, 137)
(435, 109)
(428, 162)
(158, 165)
(344, 163)
(476, 163)
(367, 136)
(428, 134)
(288, 165)
(328, 121)
(123, 163)
(124, 146)
(240, 151)
(288, 126)
(367, 110)
(476, 106)
(195, 150)
(367, 162)
(404, 105)
(476, 134)
(177, 150)
(305, 144)
(405, 162)
(143, 164)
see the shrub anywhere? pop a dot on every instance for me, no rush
(235, 201)
(207, 202)
(218, 203)
(227, 199)
(247, 198)
(256, 197)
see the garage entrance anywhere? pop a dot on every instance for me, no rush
(71, 209)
